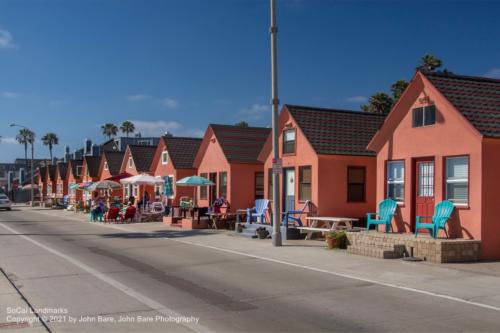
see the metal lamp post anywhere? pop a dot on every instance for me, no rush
(276, 235)
(32, 162)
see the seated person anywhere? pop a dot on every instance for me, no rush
(218, 204)
(112, 213)
(128, 213)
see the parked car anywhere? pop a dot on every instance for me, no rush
(5, 202)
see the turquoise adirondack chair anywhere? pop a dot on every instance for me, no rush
(442, 213)
(384, 216)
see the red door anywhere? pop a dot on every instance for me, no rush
(424, 196)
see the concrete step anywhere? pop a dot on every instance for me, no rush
(377, 252)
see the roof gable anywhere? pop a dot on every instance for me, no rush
(240, 144)
(336, 132)
(51, 172)
(92, 163)
(476, 98)
(114, 160)
(42, 173)
(72, 168)
(62, 169)
(142, 156)
(182, 151)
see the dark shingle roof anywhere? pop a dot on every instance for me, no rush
(42, 171)
(333, 132)
(74, 165)
(241, 144)
(182, 151)
(63, 169)
(114, 159)
(478, 99)
(92, 165)
(52, 172)
(143, 157)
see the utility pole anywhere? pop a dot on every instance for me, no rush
(276, 235)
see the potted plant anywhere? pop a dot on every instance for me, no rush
(336, 239)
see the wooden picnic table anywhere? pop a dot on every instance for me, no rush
(329, 224)
(215, 218)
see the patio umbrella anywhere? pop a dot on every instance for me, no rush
(142, 180)
(74, 186)
(104, 185)
(28, 187)
(195, 181)
(84, 186)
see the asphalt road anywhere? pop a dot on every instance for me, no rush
(89, 271)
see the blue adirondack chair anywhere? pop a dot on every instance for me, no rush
(442, 213)
(258, 211)
(384, 216)
(294, 216)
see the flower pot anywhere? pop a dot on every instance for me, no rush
(330, 242)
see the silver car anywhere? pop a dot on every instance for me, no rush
(5, 202)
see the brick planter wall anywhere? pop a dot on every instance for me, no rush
(389, 246)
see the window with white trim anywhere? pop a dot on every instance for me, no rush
(126, 192)
(289, 141)
(135, 190)
(396, 180)
(164, 157)
(130, 162)
(106, 167)
(78, 170)
(424, 116)
(457, 179)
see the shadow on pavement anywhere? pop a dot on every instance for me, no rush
(159, 234)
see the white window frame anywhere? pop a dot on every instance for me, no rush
(78, 170)
(135, 191)
(395, 182)
(164, 157)
(106, 167)
(130, 162)
(458, 180)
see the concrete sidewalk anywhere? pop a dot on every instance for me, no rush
(15, 313)
(476, 284)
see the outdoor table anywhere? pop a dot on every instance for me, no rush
(215, 218)
(330, 224)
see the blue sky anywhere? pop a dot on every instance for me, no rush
(177, 65)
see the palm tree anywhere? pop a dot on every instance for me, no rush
(398, 88)
(109, 130)
(50, 139)
(127, 127)
(379, 103)
(429, 63)
(25, 137)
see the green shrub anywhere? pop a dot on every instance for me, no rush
(340, 239)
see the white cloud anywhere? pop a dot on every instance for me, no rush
(195, 133)
(156, 128)
(5, 39)
(256, 111)
(9, 94)
(8, 140)
(169, 103)
(138, 97)
(357, 99)
(493, 73)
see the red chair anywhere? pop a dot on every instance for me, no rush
(129, 214)
(112, 214)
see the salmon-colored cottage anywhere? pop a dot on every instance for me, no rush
(228, 156)
(138, 159)
(109, 166)
(41, 181)
(51, 181)
(61, 180)
(325, 161)
(173, 160)
(74, 176)
(441, 141)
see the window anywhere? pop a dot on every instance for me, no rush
(223, 184)
(164, 157)
(106, 165)
(126, 192)
(135, 190)
(424, 116)
(203, 189)
(259, 185)
(289, 141)
(78, 171)
(130, 162)
(143, 142)
(59, 189)
(457, 180)
(396, 180)
(304, 183)
(356, 180)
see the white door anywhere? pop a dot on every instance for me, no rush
(289, 190)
